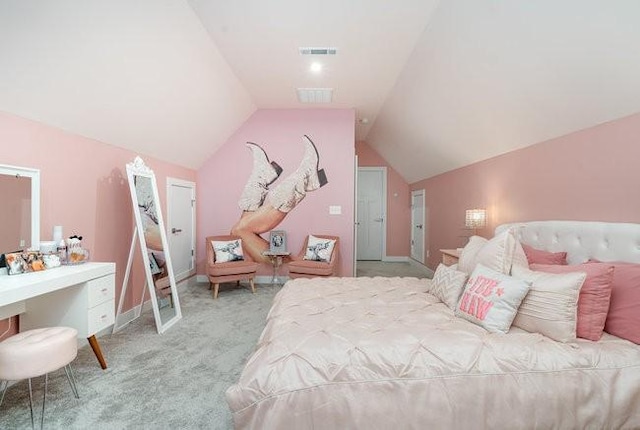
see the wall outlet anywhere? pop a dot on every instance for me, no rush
(335, 210)
(428, 253)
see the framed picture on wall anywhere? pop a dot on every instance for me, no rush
(278, 241)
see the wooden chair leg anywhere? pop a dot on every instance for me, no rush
(215, 291)
(253, 286)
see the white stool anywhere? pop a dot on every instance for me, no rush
(37, 352)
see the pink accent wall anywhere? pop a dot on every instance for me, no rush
(589, 175)
(398, 202)
(84, 189)
(222, 177)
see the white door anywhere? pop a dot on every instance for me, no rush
(417, 225)
(371, 215)
(181, 197)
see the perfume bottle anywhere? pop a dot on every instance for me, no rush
(62, 251)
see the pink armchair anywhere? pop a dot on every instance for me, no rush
(300, 268)
(229, 271)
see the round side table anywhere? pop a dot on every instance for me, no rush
(276, 261)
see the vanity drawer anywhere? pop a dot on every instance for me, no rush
(101, 317)
(101, 290)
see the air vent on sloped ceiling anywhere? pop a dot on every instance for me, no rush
(314, 95)
(318, 51)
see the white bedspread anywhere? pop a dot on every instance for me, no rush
(380, 353)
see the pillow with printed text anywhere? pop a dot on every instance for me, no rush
(491, 299)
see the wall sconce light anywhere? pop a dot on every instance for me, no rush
(475, 219)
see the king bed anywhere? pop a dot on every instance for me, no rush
(380, 353)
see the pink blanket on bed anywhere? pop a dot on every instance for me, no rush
(380, 353)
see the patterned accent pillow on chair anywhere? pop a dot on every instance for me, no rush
(319, 249)
(226, 251)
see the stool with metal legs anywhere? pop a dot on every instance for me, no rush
(35, 353)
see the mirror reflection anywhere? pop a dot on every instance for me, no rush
(19, 211)
(154, 246)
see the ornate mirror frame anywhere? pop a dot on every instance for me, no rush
(146, 204)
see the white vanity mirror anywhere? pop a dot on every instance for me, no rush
(20, 208)
(153, 244)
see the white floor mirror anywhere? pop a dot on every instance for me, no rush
(152, 239)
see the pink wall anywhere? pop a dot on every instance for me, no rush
(84, 189)
(589, 175)
(280, 132)
(398, 202)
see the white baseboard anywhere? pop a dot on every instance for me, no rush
(395, 259)
(261, 279)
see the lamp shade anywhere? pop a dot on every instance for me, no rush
(475, 218)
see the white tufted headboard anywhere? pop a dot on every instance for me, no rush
(582, 240)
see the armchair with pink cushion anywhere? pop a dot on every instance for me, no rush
(301, 268)
(219, 272)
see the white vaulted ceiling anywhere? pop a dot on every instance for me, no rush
(142, 75)
(442, 83)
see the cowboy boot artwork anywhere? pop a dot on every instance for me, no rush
(263, 174)
(288, 193)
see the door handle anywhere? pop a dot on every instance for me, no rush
(378, 219)
(419, 226)
(176, 230)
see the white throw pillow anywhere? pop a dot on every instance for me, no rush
(551, 307)
(467, 260)
(491, 299)
(447, 285)
(496, 254)
(229, 250)
(319, 249)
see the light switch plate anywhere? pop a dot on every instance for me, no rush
(335, 210)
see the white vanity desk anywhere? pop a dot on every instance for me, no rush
(80, 296)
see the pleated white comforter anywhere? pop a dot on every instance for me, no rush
(380, 353)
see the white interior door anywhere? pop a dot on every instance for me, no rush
(371, 213)
(181, 197)
(417, 225)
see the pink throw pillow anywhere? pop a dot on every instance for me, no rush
(623, 319)
(538, 256)
(595, 295)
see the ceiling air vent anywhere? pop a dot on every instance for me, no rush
(318, 51)
(314, 95)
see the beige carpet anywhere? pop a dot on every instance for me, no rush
(387, 269)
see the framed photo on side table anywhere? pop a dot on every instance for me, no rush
(278, 241)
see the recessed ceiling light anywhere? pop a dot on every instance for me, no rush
(316, 67)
